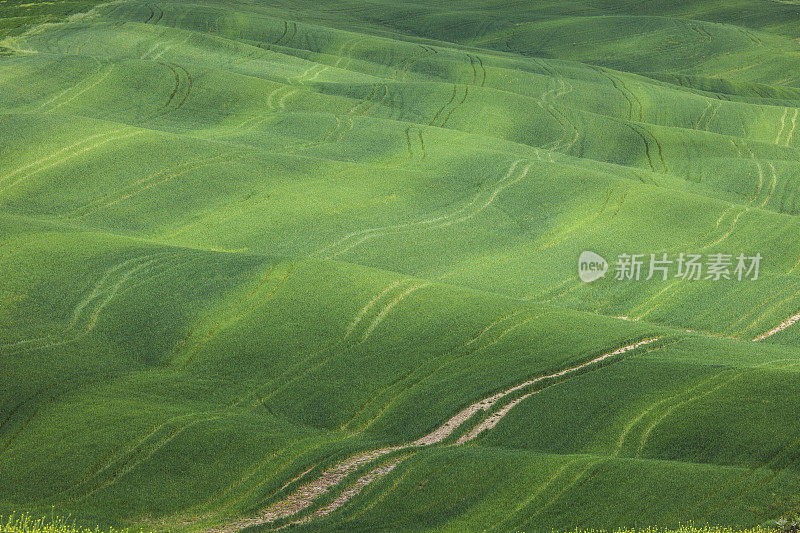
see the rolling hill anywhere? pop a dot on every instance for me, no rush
(315, 264)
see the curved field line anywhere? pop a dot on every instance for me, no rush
(574, 481)
(459, 215)
(783, 125)
(94, 84)
(299, 369)
(408, 144)
(538, 492)
(177, 83)
(364, 101)
(224, 324)
(636, 98)
(354, 489)
(445, 430)
(772, 185)
(646, 145)
(422, 144)
(148, 183)
(452, 97)
(702, 115)
(632, 312)
(49, 400)
(480, 62)
(285, 97)
(305, 496)
(752, 311)
(133, 462)
(466, 91)
(546, 102)
(774, 474)
(114, 457)
(768, 312)
(341, 55)
(285, 30)
(271, 96)
(672, 408)
(188, 87)
(733, 482)
(382, 314)
(635, 420)
(56, 154)
(760, 169)
(297, 147)
(413, 378)
(474, 70)
(101, 294)
(228, 308)
(613, 81)
(780, 327)
(341, 343)
(494, 418)
(72, 155)
(370, 104)
(794, 125)
(537, 245)
(730, 229)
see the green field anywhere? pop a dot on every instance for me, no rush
(269, 263)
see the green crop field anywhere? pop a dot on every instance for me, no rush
(270, 263)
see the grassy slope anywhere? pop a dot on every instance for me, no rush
(241, 240)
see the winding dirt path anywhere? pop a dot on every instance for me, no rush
(780, 327)
(305, 496)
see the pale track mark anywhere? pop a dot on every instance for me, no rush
(672, 408)
(574, 481)
(538, 492)
(299, 370)
(713, 114)
(445, 430)
(370, 304)
(56, 154)
(494, 418)
(445, 220)
(450, 356)
(61, 93)
(98, 291)
(148, 183)
(285, 97)
(794, 125)
(94, 84)
(729, 483)
(753, 310)
(73, 155)
(783, 125)
(769, 312)
(702, 115)
(227, 322)
(304, 496)
(780, 327)
(772, 185)
(382, 315)
(555, 236)
(729, 231)
(358, 486)
(638, 418)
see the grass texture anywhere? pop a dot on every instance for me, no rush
(271, 263)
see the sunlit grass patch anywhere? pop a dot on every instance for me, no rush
(26, 523)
